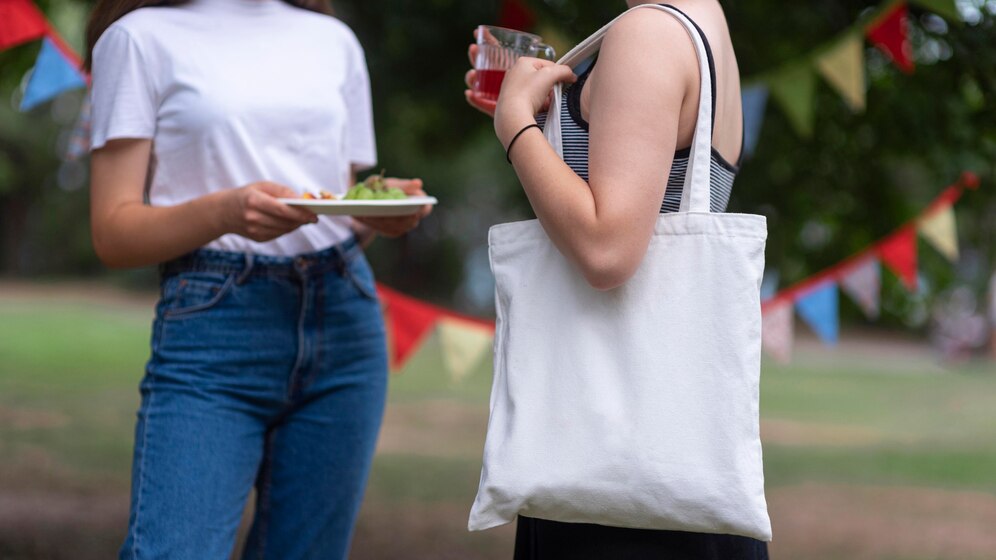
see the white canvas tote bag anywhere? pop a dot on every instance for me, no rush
(637, 406)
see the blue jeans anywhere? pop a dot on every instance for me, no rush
(264, 370)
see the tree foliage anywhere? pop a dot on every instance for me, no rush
(858, 176)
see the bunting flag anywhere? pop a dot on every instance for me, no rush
(863, 282)
(843, 67)
(463, 344)
(898, 252)
(944, 8)
(754, 99)
(408, 322)
(52, 75)
(794, 87)
(889, 33)
(20, 21)
(769, 284)
(777, 331)
(938, 227)
(465, 340)
(515, 14)
(818, 306)
(841, 61)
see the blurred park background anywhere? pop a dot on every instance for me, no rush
(883, 447)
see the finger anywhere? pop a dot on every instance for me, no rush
(470, 77)
(483, 105)
(472, 52)
(559, 73)
(410, 186)
(276, 190)
(547, 103)
(489, 37)
(259, 219)
(262, 233)
(392, 227)
(273, 207)
(378, 226)
(538, 63)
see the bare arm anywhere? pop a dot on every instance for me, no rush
(128, 233)
(605, 226)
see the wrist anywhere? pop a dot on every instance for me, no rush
(222, 211)
(364, 233)
(508, 124)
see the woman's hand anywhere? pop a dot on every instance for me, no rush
(398, 225)
(525, 92)
(253, 211)
(474, 99)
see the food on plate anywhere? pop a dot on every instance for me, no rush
(374, 188)
(322, 195)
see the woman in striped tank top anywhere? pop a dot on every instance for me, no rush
(627, 117)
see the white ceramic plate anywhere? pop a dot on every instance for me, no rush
(399, 207)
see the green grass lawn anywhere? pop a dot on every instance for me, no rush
(69, 377)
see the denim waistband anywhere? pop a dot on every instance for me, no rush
(245, 264)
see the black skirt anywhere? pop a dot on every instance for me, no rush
(540, 539)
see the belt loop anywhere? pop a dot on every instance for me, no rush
(245, 271)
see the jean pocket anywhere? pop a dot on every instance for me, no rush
(358, 272)
(189, 293)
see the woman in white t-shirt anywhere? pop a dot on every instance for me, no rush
(268, 361)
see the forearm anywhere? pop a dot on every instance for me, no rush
(561, 199)
(134, 234)
(600, 239)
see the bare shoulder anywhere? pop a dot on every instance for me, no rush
(649, 38)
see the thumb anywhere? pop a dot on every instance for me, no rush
(408, 185)
(277, 191)
(562, 73)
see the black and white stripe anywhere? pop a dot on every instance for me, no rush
(574, 138)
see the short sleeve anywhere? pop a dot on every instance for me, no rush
(362, 149)
(124, 101)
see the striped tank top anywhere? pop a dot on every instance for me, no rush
(574, 137)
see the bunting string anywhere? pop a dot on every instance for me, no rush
(465, 340)
(840, 62)
(58, 67)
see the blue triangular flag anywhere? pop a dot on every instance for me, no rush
(754, 99)
(769, 284)
(52, 75)
(818, 307)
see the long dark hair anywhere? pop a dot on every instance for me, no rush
(107, 12)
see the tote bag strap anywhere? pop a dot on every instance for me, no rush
(695, 194)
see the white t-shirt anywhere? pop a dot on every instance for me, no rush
(233, 92)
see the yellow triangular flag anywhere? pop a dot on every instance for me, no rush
(939, 229)
(463, 344)
(843, 66)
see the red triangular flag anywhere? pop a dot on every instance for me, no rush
(889, 34)
(898, 252)
(408, 321)
(20, 21)
(516, 15)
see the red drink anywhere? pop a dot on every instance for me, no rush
(489, 83)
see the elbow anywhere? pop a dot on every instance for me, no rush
(606, 270)
(106, 251)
